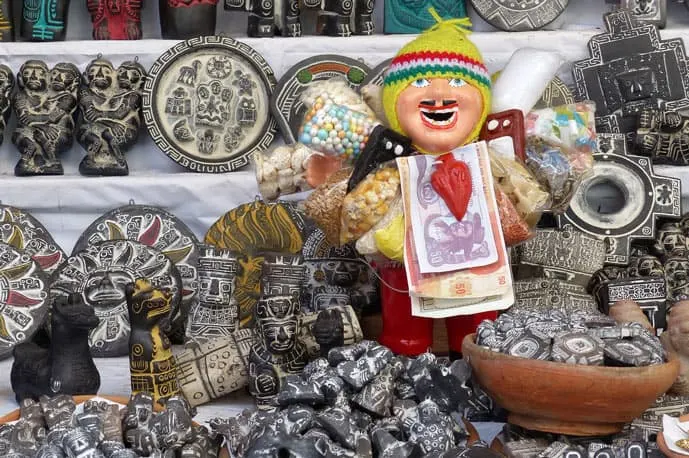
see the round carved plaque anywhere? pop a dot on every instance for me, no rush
(519, 15)
(206, 104)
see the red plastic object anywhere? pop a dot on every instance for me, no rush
(508, 123)
(451, 179)
(402, 333)
(459, 327)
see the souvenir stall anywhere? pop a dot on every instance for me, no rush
(344, 228)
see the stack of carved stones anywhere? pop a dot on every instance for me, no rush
(53, 429)
(361, 401)
(592, 340)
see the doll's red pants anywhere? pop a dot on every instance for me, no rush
(410, 335)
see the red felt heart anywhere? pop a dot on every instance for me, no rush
(451, 179)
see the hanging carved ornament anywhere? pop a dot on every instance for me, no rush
(519, 15)
(630, 70)
(206, 104)
(647, 197)
(161, 230)
(286, 105)
(101, 273)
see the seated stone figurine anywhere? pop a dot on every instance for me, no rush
(664, 136)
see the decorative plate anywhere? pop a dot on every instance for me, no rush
(556, 93)
(285, 104)
(377, 74)
(100, 273)
(161, 230)
(24, 232)
(647, 197)
(24, 299)
(519, 15)
(206, 104)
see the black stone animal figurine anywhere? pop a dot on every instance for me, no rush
(66, 367)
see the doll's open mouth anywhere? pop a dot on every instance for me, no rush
(443, 117)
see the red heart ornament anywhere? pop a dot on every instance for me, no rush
(451, 179)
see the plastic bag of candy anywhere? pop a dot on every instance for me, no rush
(337, 121)
(369, 202)
(560, 142)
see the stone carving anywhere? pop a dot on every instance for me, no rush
(45, 106)
(519, 15)
(162, 231)
(23, 298)
(630, 70)
(187, 19)
(677, 278)
(206, 104)
(648, 293)
(6, 86)
(6, 18)
(663, 136)
(67, 366)
(44, 20)
(633, 176)
(115, 19)
(403, 16)
(556, 93)
(110, 106)
(647, 11)
(100, 274)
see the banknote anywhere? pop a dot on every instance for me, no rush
(443, 243)
(490, 281)
(431, 307)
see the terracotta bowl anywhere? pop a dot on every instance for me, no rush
(568, 399)
(14, 415)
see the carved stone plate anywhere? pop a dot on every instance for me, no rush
(285, 104)
(647, 11)
(206, 104)
(100, 273)
(556, 93)
(24, 298)
(161, 230)
(377, 74)
(646, 198)
(24, 232)
(519, 15)
(631, 69)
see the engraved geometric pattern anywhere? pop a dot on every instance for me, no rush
(519, 15)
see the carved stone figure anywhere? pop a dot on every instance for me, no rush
(110, 104)
(663, 136)
(67, 366)
(44, 20)
(6, 19)
(677, 278)
(115, 19)
(185, 19)
(45, 106)
(6, 86)
(150, 354)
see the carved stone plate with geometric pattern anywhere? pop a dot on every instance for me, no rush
(377, 74)
(24, 298)
(24, 232)
(100, 273)
(161, 230)
(647, 197)
(206, 104)
(519, 15)
(556, 93)
(285, 103)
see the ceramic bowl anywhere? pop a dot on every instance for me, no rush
(568, 399)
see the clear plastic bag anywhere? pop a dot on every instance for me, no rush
(515, 229)
(560, 142)
(283, 171)
(366, 244)
(324, 205)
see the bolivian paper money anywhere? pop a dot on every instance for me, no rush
(485, 288)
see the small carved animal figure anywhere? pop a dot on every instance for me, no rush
(188, 75)
(67, 366)
(150, 354)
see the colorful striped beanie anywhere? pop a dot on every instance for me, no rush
(443, 51)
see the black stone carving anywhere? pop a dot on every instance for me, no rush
(556, 93)
(67, 366)
(520, 15)
(647, 198)
(44, 20)
(6, 86)
(649, 293)
(187, 19)
(24, 233)
(662, 136)
(100, 273)
(286, 105)
(45, 106)
(206, 104)
(162, 231)
(631, 69)
(647, 11)
(110, 106)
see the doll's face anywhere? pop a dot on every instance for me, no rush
(439, 114)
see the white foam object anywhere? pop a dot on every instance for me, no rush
(524, 79)
(673, 431)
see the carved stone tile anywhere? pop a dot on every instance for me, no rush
(519, 15)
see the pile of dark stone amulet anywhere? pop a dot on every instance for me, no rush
(592, 340)
(51, 428)
(362, 401)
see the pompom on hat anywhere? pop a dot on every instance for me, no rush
(443, 51)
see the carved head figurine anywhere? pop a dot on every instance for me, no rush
(73, 312)
(437, 89)
(645, 266)
(6, 81)
(148, 305)
(131, 75)
(677, 277)
(65, 77)
(100, 75)
(670, 241)
(277, 322)
(33, 76)
(80, 442)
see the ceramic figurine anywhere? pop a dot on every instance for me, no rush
(115, 19)
(662, 135)
(519, 16)
(67, 366)
(677, 278)
(45, 106)
(647, 11)
(676, 339)
(6, 86)
(403, 16)
(110, 106)
(44, 20)
(150, 354)
(6, 19)
(186, 19)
